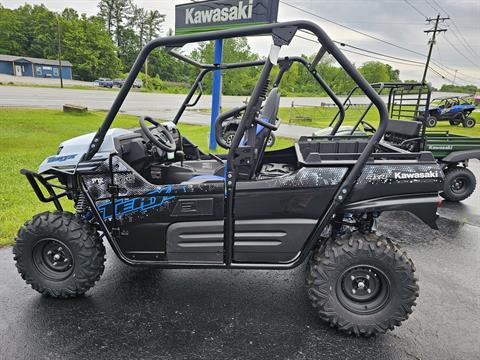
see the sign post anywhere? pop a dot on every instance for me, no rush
(211, 15)
(216, 92)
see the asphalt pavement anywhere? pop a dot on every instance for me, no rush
(237, 314)
(136, 101)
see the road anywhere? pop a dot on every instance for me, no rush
(135, 101)
(161, 106)
(218, 314)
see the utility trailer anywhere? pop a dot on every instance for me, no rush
(407, 105)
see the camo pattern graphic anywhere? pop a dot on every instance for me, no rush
(137, 198)
(398, 174)
(130, 183)
(303, 178)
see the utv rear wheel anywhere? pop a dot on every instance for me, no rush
(469, 122)
(59, 255)
(459, 184)
(431, 121)
(362, 284)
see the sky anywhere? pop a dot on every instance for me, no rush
(399, 22)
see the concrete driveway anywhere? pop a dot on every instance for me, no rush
(218, 314)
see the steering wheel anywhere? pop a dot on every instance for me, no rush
(159, 135)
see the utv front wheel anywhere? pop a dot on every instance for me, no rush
(469, 122)
(362, 284)
(59, 255)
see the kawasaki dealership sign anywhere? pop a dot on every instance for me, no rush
(223, 14)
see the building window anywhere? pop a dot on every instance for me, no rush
(55, 71)
(39, 71)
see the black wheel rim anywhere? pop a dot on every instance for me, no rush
(458, 184)
(229, 139)
(53, 259)
(270, 141)
(363, 289)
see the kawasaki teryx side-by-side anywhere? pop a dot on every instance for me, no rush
(161, 202)
(454, 109)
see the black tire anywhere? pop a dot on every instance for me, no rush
(59, 255)
(469, 122)
(459, 184)
(431, 121)
(387, 277)
(271, 140)
(228, 137)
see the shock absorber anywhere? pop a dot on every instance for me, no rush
(81, 207)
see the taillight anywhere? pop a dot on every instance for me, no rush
(440, 202)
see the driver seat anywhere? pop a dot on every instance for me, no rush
(256, 134)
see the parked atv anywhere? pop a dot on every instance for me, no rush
(454, 109)
(161, 202)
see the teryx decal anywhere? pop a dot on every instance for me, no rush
(61, 158)
(124, 206)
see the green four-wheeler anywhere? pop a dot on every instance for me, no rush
(407, 104)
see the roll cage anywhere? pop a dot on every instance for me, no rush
(282, 34)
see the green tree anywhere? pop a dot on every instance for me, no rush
(32, 31)
(235, 82)
(374, 72)
(87, 44)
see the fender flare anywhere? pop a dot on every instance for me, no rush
(424, 206)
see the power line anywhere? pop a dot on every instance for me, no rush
(429, 4)
(407, 62)
(343, 44)
(461, 38)
(415, 8)
(441, 66)
(352, 29)
(461, 53)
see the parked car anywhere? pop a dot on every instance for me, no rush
(118, 82)
(137, 83)
(103, 82)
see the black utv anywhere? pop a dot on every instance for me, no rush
(161, 202)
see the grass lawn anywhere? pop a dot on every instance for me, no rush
(321, 117)
(28, 136)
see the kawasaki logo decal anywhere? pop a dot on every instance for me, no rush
(417, 175)
(223, 14)
(440, 147)
(239, 12)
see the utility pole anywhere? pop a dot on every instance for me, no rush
(435, 30)
(59, 52)
(454, 77)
